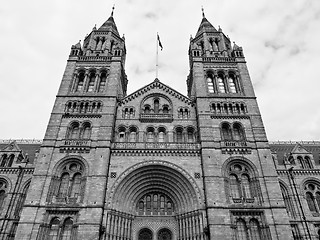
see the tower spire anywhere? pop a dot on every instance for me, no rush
(202, 9)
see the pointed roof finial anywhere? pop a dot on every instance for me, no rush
(202, 12)
(112, 11)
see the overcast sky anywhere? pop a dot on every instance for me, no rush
(280, 38)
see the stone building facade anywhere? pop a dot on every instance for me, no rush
(156, 164)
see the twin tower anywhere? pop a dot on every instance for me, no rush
(155, 164)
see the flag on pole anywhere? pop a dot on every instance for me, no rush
(160, 45)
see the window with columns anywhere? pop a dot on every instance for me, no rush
(61, 230)
(222, 82)
(312, 196)
(91, 81)
(68, 183)
(287, 201)
(79, 131)
(242, 185)
(3, 192)
(232, 132)
(155, 204)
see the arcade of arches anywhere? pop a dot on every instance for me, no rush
(155, 201)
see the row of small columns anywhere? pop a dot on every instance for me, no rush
(225, 81)
(169, 136)
(86, 81)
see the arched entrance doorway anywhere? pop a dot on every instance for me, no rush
(145, 234)
(158, 196)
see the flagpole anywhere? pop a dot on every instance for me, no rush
(157, 55)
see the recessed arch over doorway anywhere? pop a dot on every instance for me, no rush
(159, 196)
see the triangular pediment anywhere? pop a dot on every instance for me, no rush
(157, 85)
(299, 149)
(11, 147)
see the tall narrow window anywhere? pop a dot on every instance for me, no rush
(64, 185)
(92, 79)
(311, 202)
(179, 135)
(308, 162)
(232, 83)
(74, 130)
(67, 229)
(54, 229)
(133, 134)
(2, 197)
(255, 230)
(150, 135)
(86, 130)
(4, 159)
(10, 161)
(226, 132)
(222, 87)
(242, 232)
(21, 201)
(161, 135)
(245, 182)
(287, 201)
(234, 186)
(103, 82)
(190, 134)
(80, 83)
(76, 185)
(238, 134)
(147, 109)
(210, 83)
(156, 106)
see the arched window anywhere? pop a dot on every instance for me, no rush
(156, 106)
(308, 163)
(311, 202)
(147, 109)
(75, 185)
(210, 82)
(165, 109)
(64, 185)
(238, 132)
(133, 134)
(150, 134)
(234, 186)
(10, 161)
(242, 183)
(226, 131)
(2, 197)
(66, 233)
(241, 230)
(92, 79)
(301, 161)
(68, 184)
(179, 135)
(245, 182)
(287, 201)
(190, 134)
(255, 230)
(122, 134)
(221, 85)
(54, 229)
(4, 159)
(21, 200)
(86, 130)
(81, 76)
(74, 130)
(232, 83)
(103, 82)
(162, 134)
